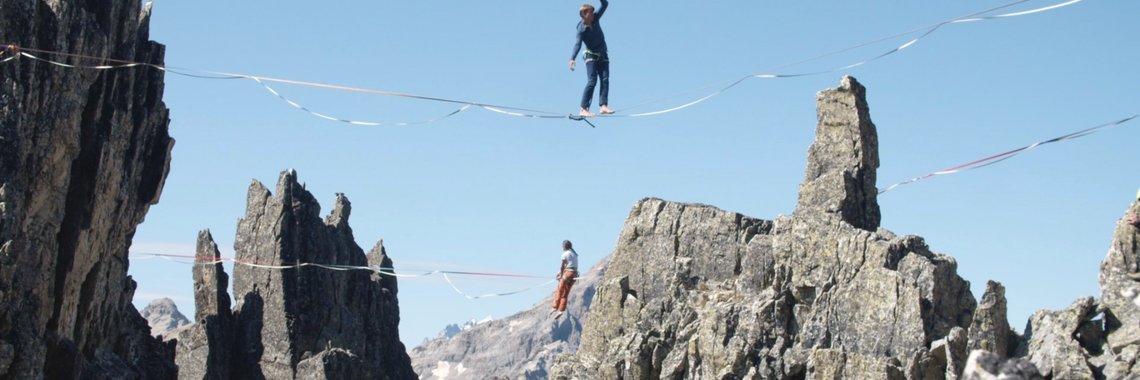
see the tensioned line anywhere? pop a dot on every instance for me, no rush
(385, 271)
(511, 110)
(927, 30)
(16, 52)
(990, 160)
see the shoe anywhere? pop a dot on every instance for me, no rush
(585, 113)
(557, 315)
(606, 110)
(1135, 276)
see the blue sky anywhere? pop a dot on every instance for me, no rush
(485, 192)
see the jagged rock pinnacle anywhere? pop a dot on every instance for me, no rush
(842, 162)
(305, 322)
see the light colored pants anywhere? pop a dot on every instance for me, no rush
(563, 291)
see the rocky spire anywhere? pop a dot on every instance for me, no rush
(989, 330)
(842, 162)
(696, 292)
(206, 349)
(306, 322)
(1119, 286)
(83, 155)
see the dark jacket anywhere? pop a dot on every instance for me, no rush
(592, 36)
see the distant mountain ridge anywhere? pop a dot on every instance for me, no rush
(163, 317)
(521, 346)
(455, 328)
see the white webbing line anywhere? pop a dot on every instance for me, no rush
(522, 112)
(901, 47)
(470, 297)
(1022, 13)
(377, 269)
(354, 122)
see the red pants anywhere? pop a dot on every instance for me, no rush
(563, 291)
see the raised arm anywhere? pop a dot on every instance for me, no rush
(602, 10)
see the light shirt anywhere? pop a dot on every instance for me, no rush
(571, 259)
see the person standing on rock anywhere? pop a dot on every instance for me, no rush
(596, 56)
(566, 275)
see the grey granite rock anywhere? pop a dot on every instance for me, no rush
(990, 329)
(840, 174)
(306, 322)
(206, 348)
(697, 292)
(1120, 294)
(85, 154)
(1050, 343)
(985, 365)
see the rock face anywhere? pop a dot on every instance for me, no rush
(841, 166)
(696, 292)
(205, 349)
(985, 365)
(990, 330)
(522, 346)
(1091, 339)
(1050, 345)
(84, 155)
(162, 316)
(307, 322)
(1120, 301)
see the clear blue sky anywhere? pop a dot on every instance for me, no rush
(486, 192)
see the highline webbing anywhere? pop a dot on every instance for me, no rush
(385, 271)
(993, 159)
(518, 111)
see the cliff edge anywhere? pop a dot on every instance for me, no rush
(84, 154)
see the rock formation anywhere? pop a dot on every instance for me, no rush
(1089, 339)
(697, 292)
(206, 349)
(691, 291)
(985, 365)
(522, 346)
(1115, 335)
(84, 154)
(163, 317)
(307, 322)
(989, 330)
